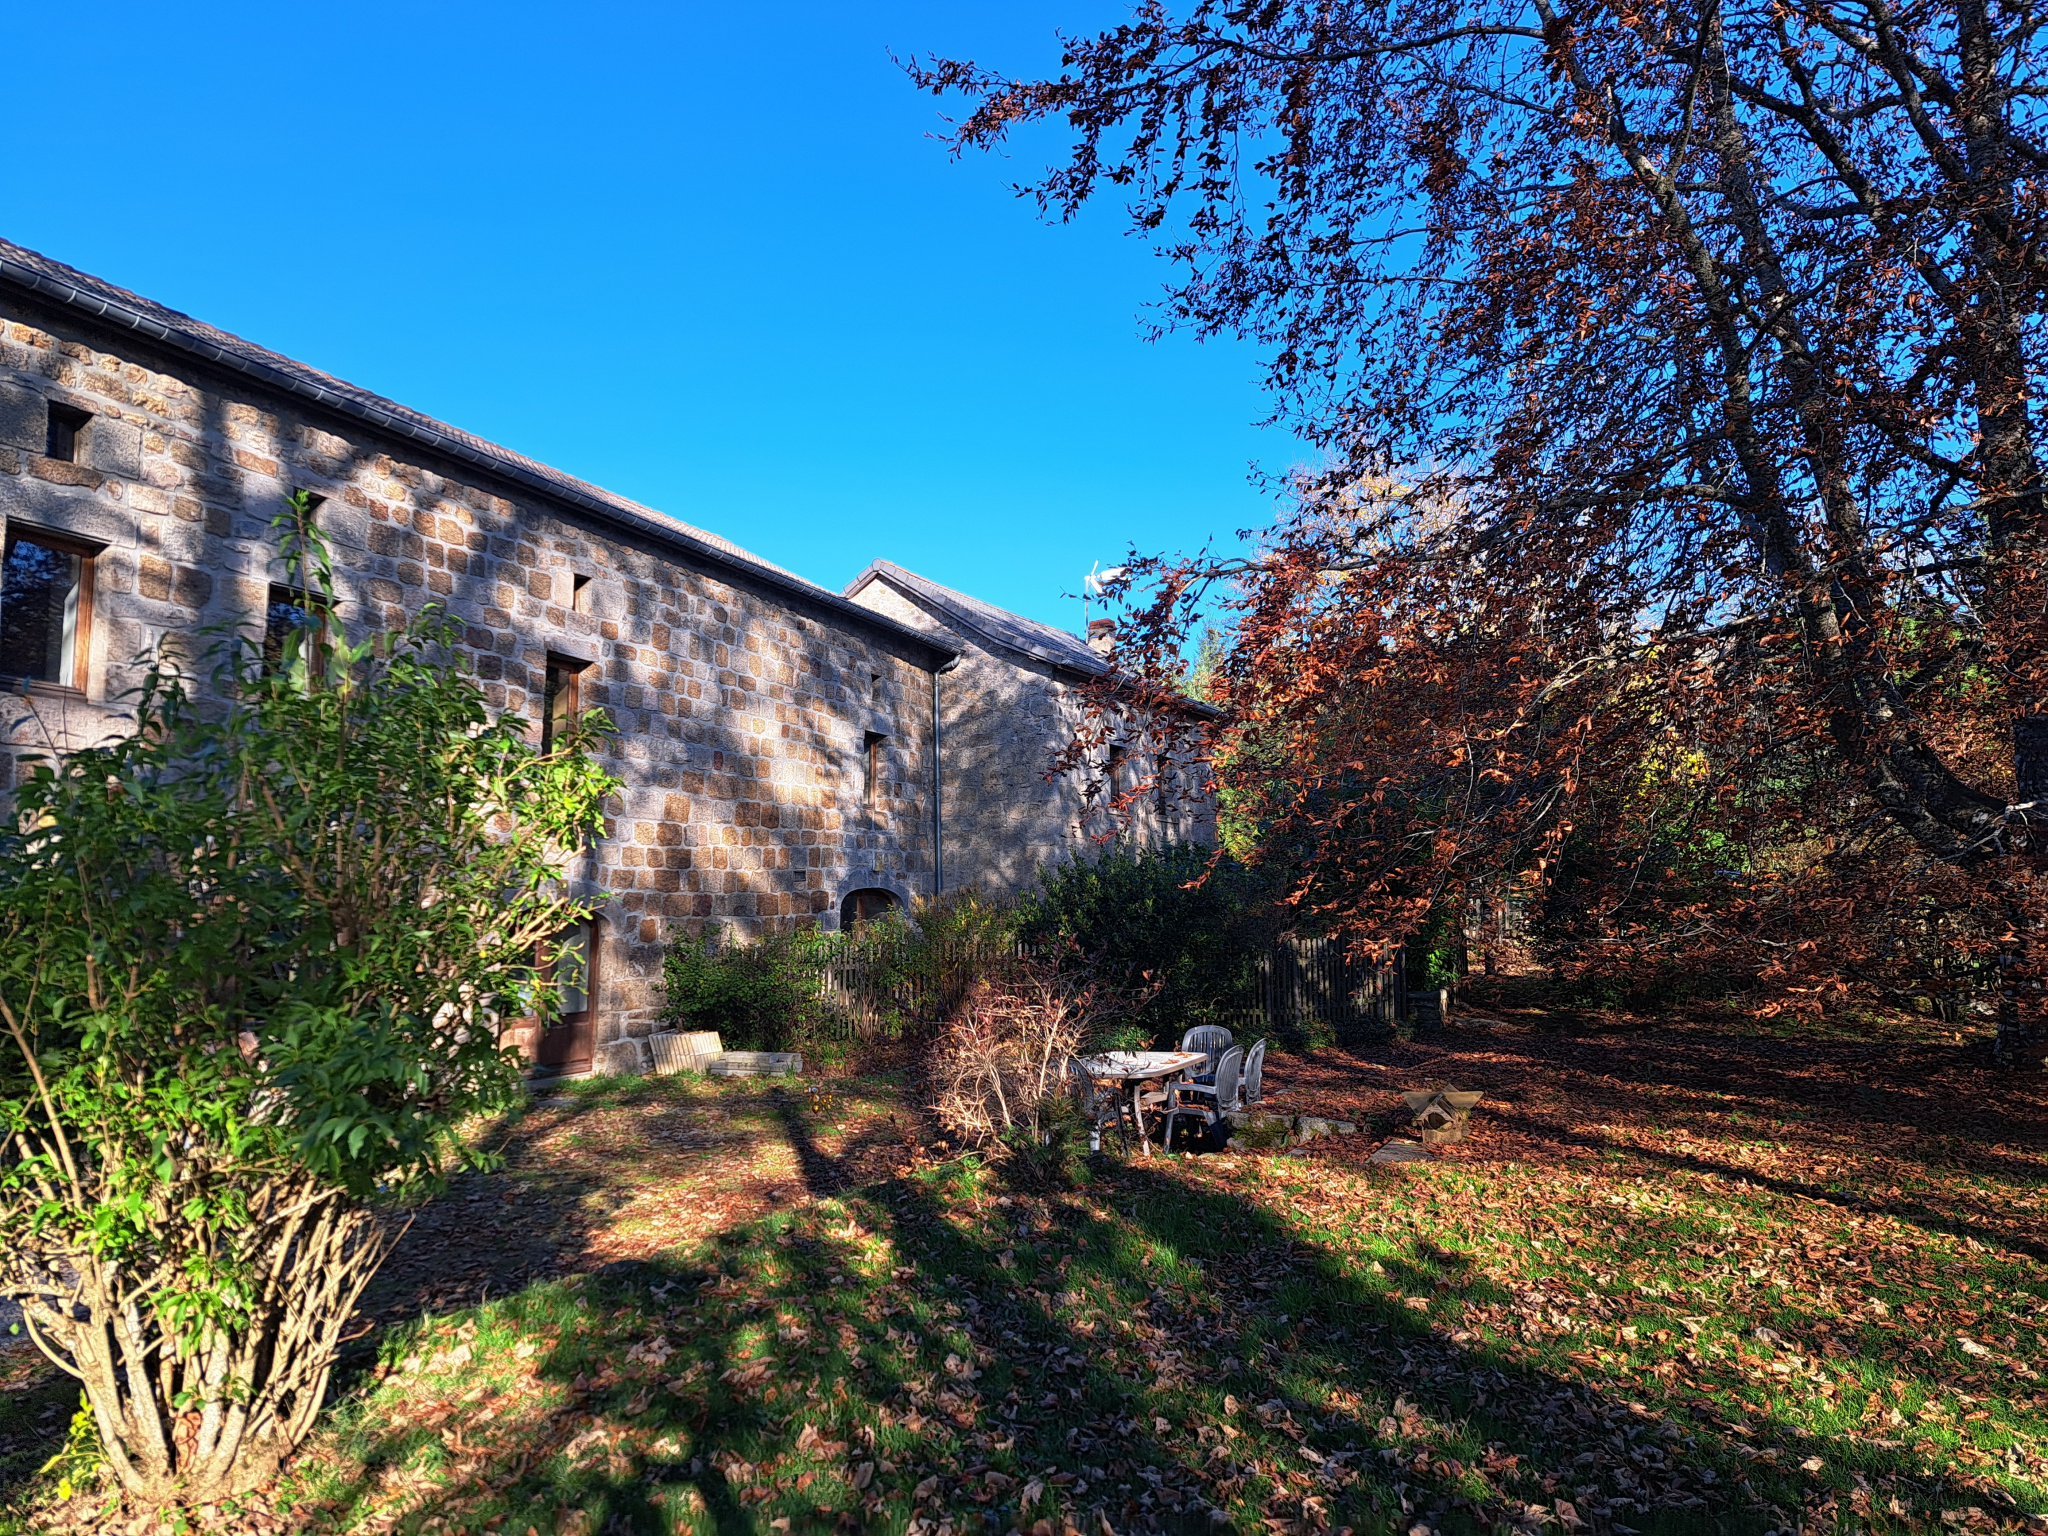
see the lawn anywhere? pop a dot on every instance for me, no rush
(1678, 1279)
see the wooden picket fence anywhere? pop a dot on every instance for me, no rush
(875, 986)
(1308, 988)
(1305, 989)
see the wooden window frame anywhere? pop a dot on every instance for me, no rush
(86, 553)
(571, 671)
(280, 594)
(73, 423)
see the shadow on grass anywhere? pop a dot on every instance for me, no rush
(1912, 1212)
(1783, 1088)
(36, 1404)
(539, 1215)
(1148, 1353)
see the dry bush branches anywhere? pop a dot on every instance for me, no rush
(1001, 1055)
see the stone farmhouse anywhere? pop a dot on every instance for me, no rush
(1005, 702)
(788, 753)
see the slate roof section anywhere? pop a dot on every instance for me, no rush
(52, 280)
(986, 622)
(999, 627)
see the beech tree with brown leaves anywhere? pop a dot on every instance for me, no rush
(1676, 367)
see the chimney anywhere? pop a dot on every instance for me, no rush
(1102, 636)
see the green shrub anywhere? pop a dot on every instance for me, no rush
(253, 962)
(1435, 953)
(960, 938)
(1050, 1151)
(762, 995)
(1166, 925)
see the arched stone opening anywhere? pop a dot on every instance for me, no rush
(864, 905)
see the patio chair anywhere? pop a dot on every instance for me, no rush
(1254, 1069)
(1210, 1039)
(1100, 1104)
(1206, 1102)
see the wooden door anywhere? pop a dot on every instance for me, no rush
(571, 1039)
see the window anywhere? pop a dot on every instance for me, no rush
(67, 428)
(45, 608)
(291, 612)
(562, 704)
(874, 687)
(1116, 771)
(572, 973)
(579, 594)
(871, 768)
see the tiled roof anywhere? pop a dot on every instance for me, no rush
(168, 327)
(988, 623)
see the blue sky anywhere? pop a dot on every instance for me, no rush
(709, 257)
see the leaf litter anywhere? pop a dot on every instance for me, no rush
(1638, 1293)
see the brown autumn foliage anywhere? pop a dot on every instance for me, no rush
(1677, 558)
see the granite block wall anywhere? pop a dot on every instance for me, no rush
(1004, 718)
(743, 712)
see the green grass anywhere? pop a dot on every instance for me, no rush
(1273, 1341)
(1708, 1323)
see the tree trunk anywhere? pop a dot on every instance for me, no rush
(208, 1415)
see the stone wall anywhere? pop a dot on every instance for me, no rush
(1004, 718)
(742, 710)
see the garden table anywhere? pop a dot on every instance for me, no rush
(1138, 1068)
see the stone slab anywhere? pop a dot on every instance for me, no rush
(1308, 1127)
(684, 1050)
(114, 447)
(24, 418)
(619, 1058)
(1399, 1152)
(757, 1064)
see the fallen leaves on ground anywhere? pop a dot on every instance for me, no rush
(1663, 1279)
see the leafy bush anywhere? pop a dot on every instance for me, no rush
(1163, 924)
(1435, 953)
(759, 996)
(961, 937)
(1049, 1151)
(253, 961)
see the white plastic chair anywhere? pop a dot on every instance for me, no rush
(1100, 1104)
(1212, 1040)
(1254, 1069)
(1207, 1102)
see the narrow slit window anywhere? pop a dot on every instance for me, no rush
(45, 608)
(579, 594)
(562, 704)
(292, 612)
(871, 768)
(1116, 772)
(66, 432)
